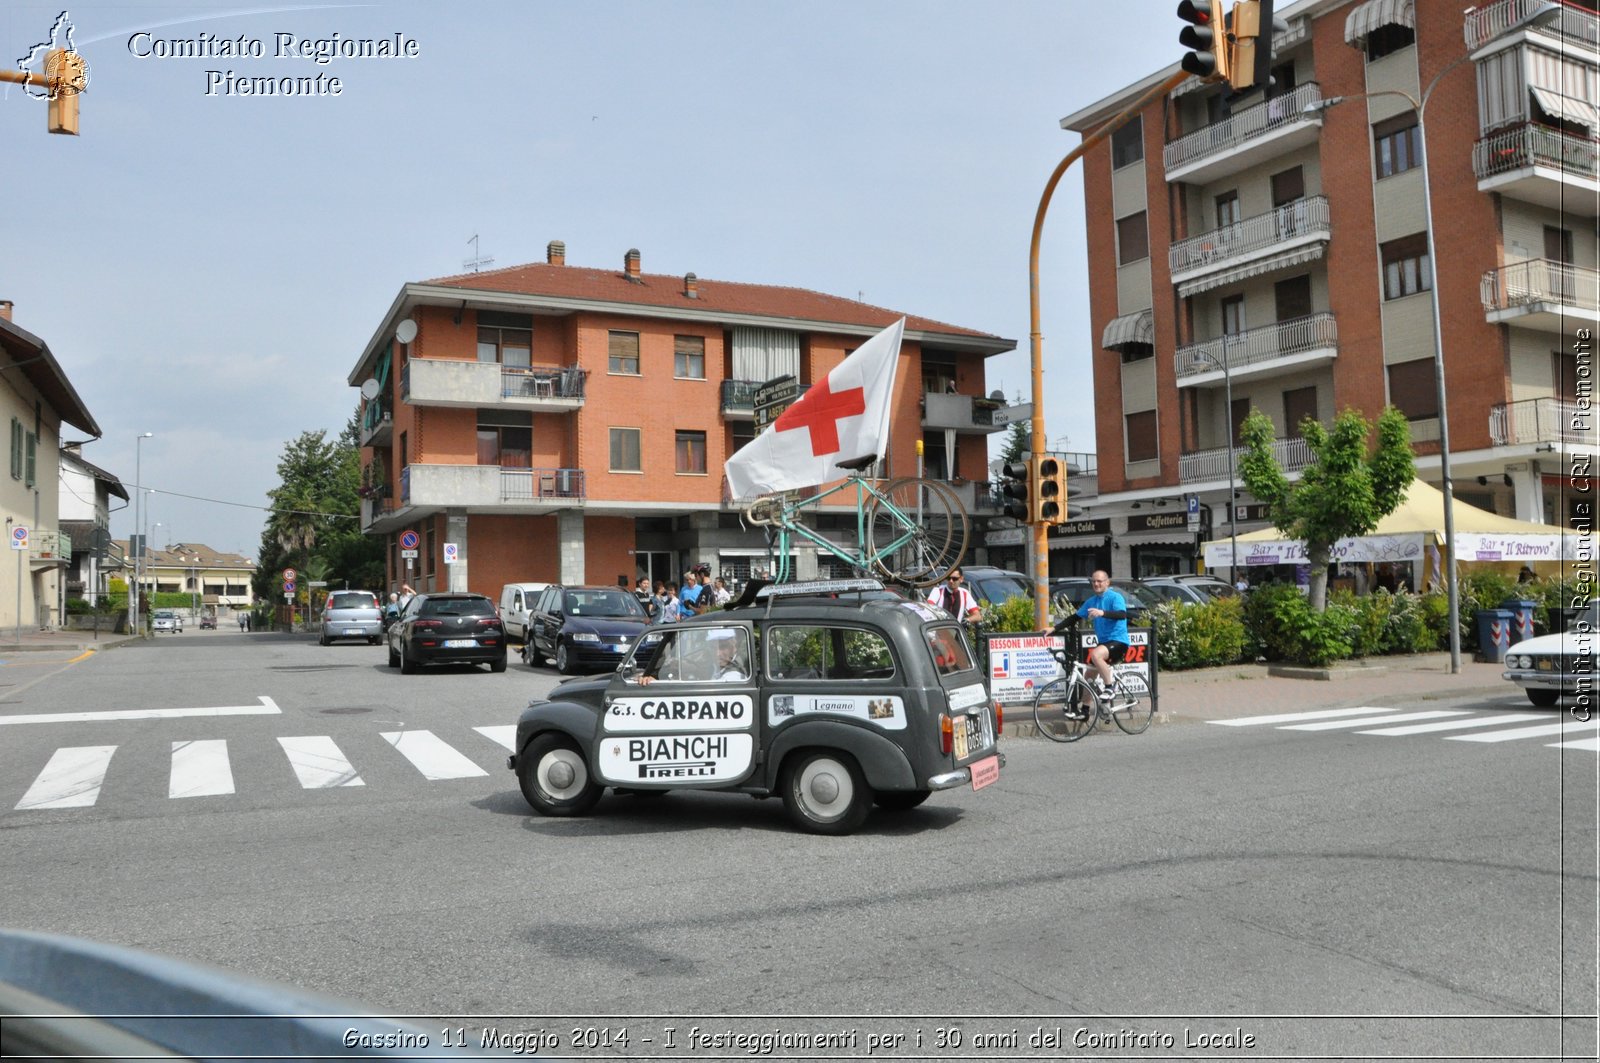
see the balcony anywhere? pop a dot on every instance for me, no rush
(1202, 465)
(1574, 26)
(493, 489)
(1538, 164)
(971, 413)
(47, 548)
(1299, 343)
(1283, 237)
(452, 382)
(1547, 420)
(1250, 136)
(377, 423)
(1541, 294)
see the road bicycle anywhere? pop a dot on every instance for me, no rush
(909, 530)
(1068, 707)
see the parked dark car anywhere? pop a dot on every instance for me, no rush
(447, 629)
(208, 623)
(991, 585)
(583, 628)
(1076, 589)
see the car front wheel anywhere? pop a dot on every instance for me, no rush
(563, 659)
(555, 777)
(1543, 698)
(825, 793)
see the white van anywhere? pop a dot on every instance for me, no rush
(516, 603)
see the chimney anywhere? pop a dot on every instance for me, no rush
(5, 309)
(631, 264)
(556, 253)
(691, 286)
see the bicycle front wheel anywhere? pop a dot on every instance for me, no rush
(916, 531)
(1130, 706)
(1057, 712)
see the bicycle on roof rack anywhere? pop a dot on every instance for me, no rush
(910, 530)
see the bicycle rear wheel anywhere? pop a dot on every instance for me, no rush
(916, 531)
(1057, 714)
(1130, 706)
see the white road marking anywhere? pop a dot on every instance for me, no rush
(1395, 717)
(1591, 744)
(505, 734)
(200, 769)
(432, 755)
(71, 780)
(1293, 717)
(1449, 725)
(1570, 727)
(318, 762)
(267, 707)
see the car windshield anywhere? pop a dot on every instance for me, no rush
(352, 600)
(456, 607)
(606, 603)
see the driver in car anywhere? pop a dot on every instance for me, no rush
(726, 669)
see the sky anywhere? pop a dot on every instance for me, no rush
(207, 266)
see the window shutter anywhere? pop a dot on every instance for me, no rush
(16, 449)
(33, 447)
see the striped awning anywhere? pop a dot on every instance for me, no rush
(1253, 268)
(1579, 112)
(1128, 330)
(1375, 13)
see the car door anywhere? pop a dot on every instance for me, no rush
(543, 620)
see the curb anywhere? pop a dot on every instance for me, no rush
(1295, 671)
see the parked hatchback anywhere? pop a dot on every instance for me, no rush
(166, 620)
(584, 628)
(351, 615)
(447, 629)
(1187, 590)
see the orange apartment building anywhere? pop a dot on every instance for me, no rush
(555, 423)
(1278, 249)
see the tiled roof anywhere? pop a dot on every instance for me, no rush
(660, 290)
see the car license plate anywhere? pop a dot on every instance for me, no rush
(1545, 664)
(968, 734)
(352, 631)
(459, 644)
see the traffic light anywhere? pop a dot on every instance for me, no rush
(1050, 491)
(1016, 488)
(66, 76)
(1250, 64)
(1211, 56)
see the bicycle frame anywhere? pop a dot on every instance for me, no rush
(787, 525)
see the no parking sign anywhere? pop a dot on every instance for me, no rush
(19, 537)
(450, 553)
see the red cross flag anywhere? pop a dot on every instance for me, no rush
(842, 417)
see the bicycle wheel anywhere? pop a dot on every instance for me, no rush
(1057, 712)
(916, 531)
(1130, 706)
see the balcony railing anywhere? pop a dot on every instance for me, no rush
(1546, 420)
(1244, 126)
(1540, 280)
(1530, 144)
(953, 410)
(50, 546)
(1297, 220)
(1200, 465)
(528, 485)
(1486, 23)
(1255, 346)
(375, 415)
(542, 382)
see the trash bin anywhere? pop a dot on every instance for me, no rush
(1494, 634)
(1521, 618)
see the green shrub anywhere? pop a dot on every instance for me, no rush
(1371, 613)
(1409, 629)
(1435, 609)
(1013, 614)
(78, 605)
(1193, 635)
(1265, 634)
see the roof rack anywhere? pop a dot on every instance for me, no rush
(818, 586)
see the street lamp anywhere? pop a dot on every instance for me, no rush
(1227, 387)
(1452, 585)
(138, 475)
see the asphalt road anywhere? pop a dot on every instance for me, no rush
(1247, 891)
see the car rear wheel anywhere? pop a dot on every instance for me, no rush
(825, 793)
(498, 664)
(530, 654)
(1543, 698)
(901, 800)
(555, 777)
(394, 658)
(407, 665)
(323, 640)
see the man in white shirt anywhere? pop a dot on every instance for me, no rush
(954, 598)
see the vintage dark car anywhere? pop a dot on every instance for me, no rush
(830, 701)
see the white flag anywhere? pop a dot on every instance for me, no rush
(842, 417)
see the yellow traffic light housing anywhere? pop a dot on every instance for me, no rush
(65, 76)
(1016, 490)
(1211, 56)
(1050, 491)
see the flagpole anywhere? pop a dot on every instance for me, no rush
(1041, 542)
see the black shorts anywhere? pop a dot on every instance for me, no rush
(1115, 651)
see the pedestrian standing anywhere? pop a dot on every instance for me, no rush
(646, 599)
(671, 608)
(720, 594)
(690, 598)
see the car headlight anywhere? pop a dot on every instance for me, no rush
(585, 636)
(1521, 661)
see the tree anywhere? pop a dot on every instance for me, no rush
(1019, 442)
(1343, 492)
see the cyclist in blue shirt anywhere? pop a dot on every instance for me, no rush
(1109, 611)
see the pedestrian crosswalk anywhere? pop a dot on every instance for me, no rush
(1478, 725)
(74, 775)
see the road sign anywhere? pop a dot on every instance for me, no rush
(288, 575)
(773, 397)
(449, 553)
(288, 586)
(1194, 512)
(408, 554)
(19, 537)
(408, 540)
(316, 583)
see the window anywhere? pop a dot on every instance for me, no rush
(1299, 404)
(1292, 297)
(1387, 39)
(1127, 144)
(1236, 418)
(1233, 315)
(624, 353)
(693, 654)
(16, 449)
(949, 650)
(1395, 147)
(1405, 266)
(505, 438)
(689, 357)
(1412, 389)
(795, 652)
(1137, 352)
(508, 346)
(1288, 186)
(691, 450)
(624, 450)
(1564, 376)
(1228, 209)
(1141, 436)
(1133, 239)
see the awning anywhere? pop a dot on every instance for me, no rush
(1255, 268)
(1135, 328)
(1579, 112)
(1078, 542)
(1175, 537)
(1374, 14)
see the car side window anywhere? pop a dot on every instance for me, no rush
(797, 651)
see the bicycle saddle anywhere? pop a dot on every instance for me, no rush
(857, 464)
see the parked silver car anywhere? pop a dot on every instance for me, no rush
(351, 615)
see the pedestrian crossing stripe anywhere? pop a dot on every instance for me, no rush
(1393, 723)
(74, 775)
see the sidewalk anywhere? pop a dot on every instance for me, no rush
(60, 641)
